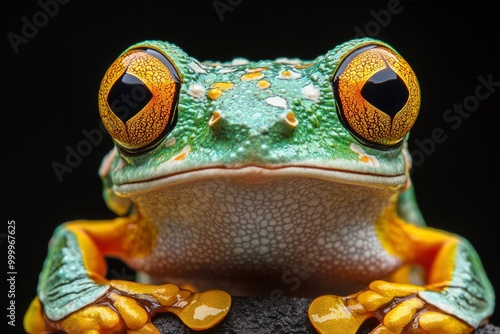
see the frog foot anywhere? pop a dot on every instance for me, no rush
(128, 307)
(397, 307)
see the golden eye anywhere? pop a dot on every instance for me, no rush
(377, 95)
(138, 99)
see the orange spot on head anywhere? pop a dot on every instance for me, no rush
(252, 76)
(183, 154)
(214, 94)
(364, 158)
(257, 69)
(263, 84)
(216, 117)
(299, 66)
(222, 85)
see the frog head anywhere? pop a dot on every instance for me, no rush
(342, 117)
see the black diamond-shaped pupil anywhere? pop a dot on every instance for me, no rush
(128, 96)
(386, 91)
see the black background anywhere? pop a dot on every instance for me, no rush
(50, 96)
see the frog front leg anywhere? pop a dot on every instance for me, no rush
(457, 297)
(74, 296)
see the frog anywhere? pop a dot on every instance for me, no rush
(226, 175)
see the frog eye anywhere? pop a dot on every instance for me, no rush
(138, 99)
(377, 95)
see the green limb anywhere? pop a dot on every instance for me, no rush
(64, 284)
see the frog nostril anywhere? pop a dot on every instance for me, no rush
(255, 126)
(285, 125)
(215, 120)
(290, 120)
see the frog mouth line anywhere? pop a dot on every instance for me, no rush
(257, 175)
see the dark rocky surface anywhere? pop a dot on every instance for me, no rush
(263, 315)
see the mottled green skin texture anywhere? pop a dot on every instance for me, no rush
(64, 285)
(252, 132)
(470, 296)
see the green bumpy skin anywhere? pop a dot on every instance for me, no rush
(227, 177)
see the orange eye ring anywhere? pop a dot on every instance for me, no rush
(138, 99)
(377, 94)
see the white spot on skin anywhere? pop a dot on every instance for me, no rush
(289, 61)
(277, 101)
(311, 92)
(203, 311)
(363, 156)
(196, 90)
(239, 61)
(170, 142)
(227, 70)
(197, 67)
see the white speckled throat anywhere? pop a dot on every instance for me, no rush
(228, 230)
